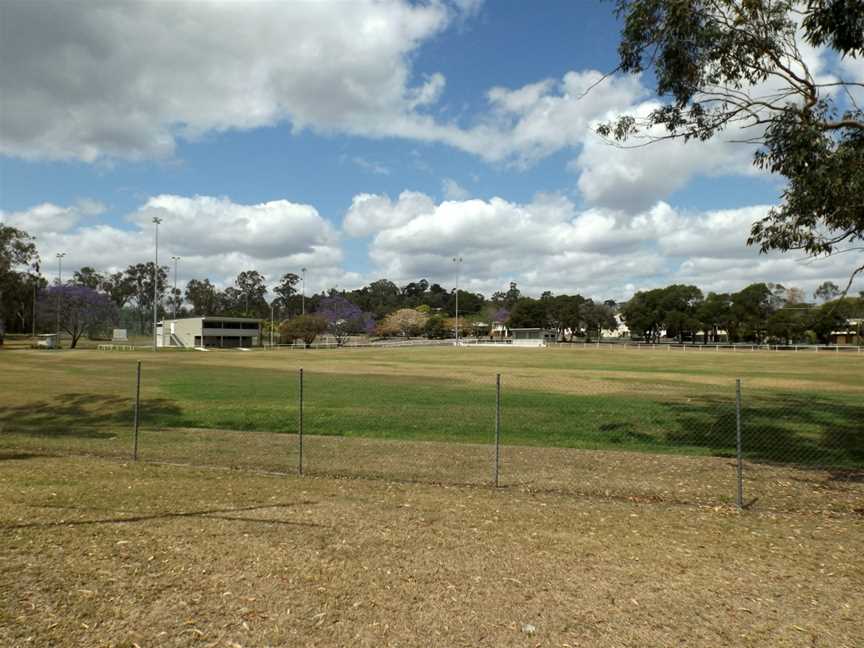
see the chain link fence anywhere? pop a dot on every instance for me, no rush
(702, 442)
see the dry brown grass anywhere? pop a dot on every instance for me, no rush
(99, 553)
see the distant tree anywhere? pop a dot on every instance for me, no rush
(528, 313)
(17, 255)
(827, 291)
(596, 318)
(469, 303)
(140, 277)
(303, 327)
(715, 313)
(566, 313)
(119, 287)
(643, 314)
(344, 318)
(787, 324)
(507, 299)
(288, 297)
(88, 278)
(751, 308)
(203, 296)
(435, 328)
(405, 322)
(382, 296)
(83, 311)
(251, 290)
(413, 293)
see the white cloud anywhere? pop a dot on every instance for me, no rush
(633, 179)
(452, 190)
(127, 79)
(215, 237)
(43, 218)
(370, 213)
(548, 244)
(371, 166)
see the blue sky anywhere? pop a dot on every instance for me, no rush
(362, 140)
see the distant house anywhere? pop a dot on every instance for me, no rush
(851, 334)
(532, 336)
(621, 329)
(219, 332)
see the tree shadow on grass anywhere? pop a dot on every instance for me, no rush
(81, 415)
(212, 514)
(789, 429)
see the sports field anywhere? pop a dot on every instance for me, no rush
(614, 524)
(617, 421)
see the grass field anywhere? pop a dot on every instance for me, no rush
(614, 525)
(584, 420)
(802, 407)
(103, 553)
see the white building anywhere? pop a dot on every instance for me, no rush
(190, 332)
(621, 329)
(532, 336)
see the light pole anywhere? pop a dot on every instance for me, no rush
(60, 256)
(34, 306)
(176, 260)
(458, 262)
(303, 292)
(156, 221)
(271, 325)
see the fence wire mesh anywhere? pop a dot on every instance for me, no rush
(607, 434)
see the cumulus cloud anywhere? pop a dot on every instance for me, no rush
(44, 218)
(127, 79)
(549, 244)
(216, 238)
(371, 213)
(633, 179)
(545, 244)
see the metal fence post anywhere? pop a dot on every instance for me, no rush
(739, 499)
(137, 410)
(497, 426)
(300, 425)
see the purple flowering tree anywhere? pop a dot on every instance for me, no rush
(344, 318)
(83, 311)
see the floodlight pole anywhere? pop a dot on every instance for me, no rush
(458, 262)
(156, 221)
(60, 256)
(303, 291)
(271, 326)
(176, 260)
(34, 306)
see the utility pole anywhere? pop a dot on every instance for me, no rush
(303, 291)
(458, 262)
(156, 221)
(60, 256)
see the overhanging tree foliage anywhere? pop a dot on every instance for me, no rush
(738, 64)
(17, 255)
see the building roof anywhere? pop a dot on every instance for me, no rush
(224, 318)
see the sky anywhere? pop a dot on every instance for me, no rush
(362, 140)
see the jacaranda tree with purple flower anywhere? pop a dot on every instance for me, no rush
(344, 318)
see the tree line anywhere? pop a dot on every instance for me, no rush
(90, 303)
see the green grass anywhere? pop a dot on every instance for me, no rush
(800, 408)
